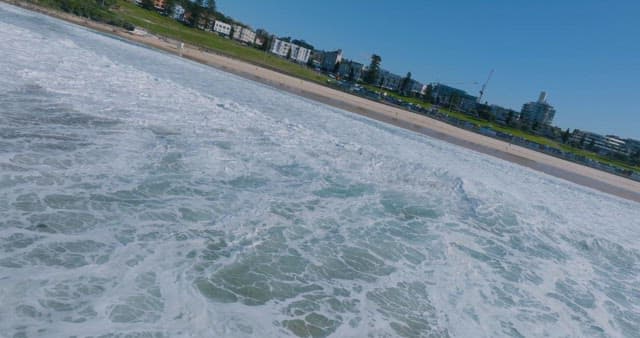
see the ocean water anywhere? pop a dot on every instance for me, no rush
(143, 195)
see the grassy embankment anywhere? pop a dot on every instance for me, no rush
(94, 10)
(168, 27)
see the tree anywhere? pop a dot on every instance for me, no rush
(147, 4)
(169, 6)
(336, 67)
(484, 112)
(454, 100)
(404, 86)
(427, 96)
(374, 69)
(535, 125)
(509, 120)
(267, 42)
(196, 10)
(565, 136)
(635, 158)
(265, 37)
(209, 12)
(211, 6)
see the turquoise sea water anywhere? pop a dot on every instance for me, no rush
(142, 195)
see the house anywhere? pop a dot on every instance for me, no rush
(243, 34)
(159, 5)
(205, 22)
(222, 28)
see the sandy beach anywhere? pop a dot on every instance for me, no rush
(573, 172)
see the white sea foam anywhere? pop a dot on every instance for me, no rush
(142, 194)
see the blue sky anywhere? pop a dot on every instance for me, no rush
(585, 54)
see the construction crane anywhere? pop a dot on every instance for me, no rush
(457, 83)
(484, 86)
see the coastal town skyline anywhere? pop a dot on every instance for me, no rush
(575, 78)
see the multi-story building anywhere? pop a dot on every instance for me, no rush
(504, 115)
(317, 58)
(280, 47)
(205, 22)
(633, 147)
(351, 70)
(290, 50)
(388, 80)
(467, 103)
(602, 144)
(539, 112)
(330, 59)
(299, 54)
(617, 145)
(443, 94)
(453, 97)
(415, 87)
(222, 28)
(244, 34)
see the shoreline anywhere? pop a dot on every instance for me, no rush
(566, 170)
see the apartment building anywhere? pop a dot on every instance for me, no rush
(222, 28)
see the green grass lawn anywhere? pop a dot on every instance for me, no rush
(168, 27)
(413, 100)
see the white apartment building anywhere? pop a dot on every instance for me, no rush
(290, 50)
(244, 34)
(300, 54)
(280, 47)
(222, 28)
(539, 111)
